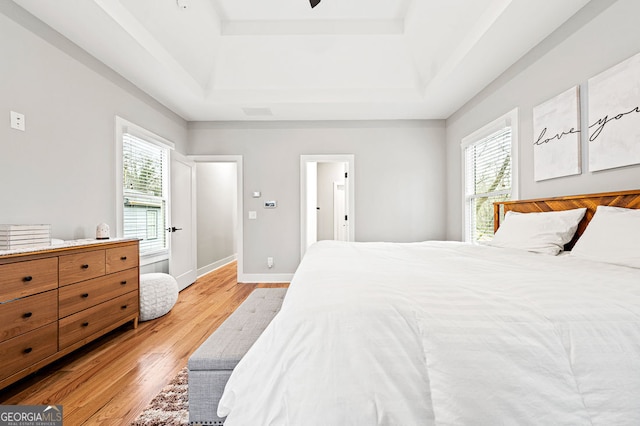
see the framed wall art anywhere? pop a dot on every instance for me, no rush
(556, 138)
(614, 116)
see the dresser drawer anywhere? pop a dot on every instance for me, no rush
(82, 266)
(21, 279)
(22, 315)
(80, 296)
(121, 258)
(93, 320)
(27, 349)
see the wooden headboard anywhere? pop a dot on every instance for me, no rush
(627, 199)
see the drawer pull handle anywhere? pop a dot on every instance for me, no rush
(123, 258)
(124, 306)
(123, 282)
(85, 324)
(27, 315)
(85, 295)
(27, 350)
(85, 266)
(27, 278)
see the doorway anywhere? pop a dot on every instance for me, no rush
(327, 194)
(219, 211)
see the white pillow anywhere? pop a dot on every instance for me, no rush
(612, 236)
(545, 232)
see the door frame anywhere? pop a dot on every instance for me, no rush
(237, 159)
(349, 159)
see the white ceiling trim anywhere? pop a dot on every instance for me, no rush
(315, 27)
(285, 96)
(121, 16)
(461, 52)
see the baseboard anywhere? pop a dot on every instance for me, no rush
(216, 265)
(264, 278)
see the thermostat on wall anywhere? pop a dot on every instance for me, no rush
(270, 204)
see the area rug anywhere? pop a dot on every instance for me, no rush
(170, 407)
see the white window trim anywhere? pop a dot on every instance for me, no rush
(508, 119)
(123, 126)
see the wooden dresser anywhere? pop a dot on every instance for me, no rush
(56, 300)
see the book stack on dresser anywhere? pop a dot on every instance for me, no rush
(24, 236)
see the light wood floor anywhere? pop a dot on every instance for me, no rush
(110, 381)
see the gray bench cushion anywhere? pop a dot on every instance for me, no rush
(210, 366)
(224, 348)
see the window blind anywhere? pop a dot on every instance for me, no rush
(145, 193)
(488, 178)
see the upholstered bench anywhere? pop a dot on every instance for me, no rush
(210, 366)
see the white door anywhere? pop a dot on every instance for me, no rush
(340, 218)
(182, 226)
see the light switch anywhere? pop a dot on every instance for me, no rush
(253, 215)
(256, 194)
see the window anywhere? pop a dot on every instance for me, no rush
(489, 175)
(143, 195)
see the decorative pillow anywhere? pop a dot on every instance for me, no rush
(612, 236)
(545, 232)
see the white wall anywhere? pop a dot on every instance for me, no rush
(61, 170)
(599, 36)
(216, 191)
(399, 179)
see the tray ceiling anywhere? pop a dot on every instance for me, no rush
(281, 60)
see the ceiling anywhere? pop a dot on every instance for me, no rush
(212, 60)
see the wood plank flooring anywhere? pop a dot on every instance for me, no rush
(111, 380)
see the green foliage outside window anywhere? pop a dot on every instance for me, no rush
(142, 176)
(487, 180)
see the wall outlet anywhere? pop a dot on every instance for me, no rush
(270, 262)
(17, 121)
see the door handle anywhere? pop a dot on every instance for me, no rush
(174, 229)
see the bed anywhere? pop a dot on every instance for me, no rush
(447, 333)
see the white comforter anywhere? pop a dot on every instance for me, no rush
(442, 333)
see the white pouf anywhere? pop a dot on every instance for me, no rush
(158, 294)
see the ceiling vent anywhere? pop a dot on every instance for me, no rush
(257, 111)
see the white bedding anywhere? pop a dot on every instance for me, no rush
(445, 333)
